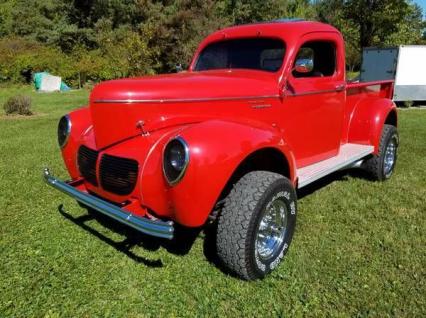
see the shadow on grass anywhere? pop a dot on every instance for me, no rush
(184, 237)
(180, 245)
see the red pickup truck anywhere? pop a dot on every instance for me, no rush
(262, 111)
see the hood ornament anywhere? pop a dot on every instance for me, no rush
(140, 125)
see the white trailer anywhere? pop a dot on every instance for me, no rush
(405, 64)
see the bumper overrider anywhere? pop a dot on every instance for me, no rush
(157, 228)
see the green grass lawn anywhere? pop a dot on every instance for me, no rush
(359, 248)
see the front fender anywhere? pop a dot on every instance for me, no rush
(216, 150)
(81, 121)
(367, 120)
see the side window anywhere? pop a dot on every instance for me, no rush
(323, 54)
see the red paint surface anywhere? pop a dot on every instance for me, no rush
(225, 116)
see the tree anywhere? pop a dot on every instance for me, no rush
(409, 29)
(366, 23)
(332, 12)
(103, 39)
(6, 8)
(178, 27)
(38, 20)
(376, 19)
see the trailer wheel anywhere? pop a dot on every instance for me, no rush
(381, 166)
(256, 225)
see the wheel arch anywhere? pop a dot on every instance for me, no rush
(268, 159)
(264, 159)
(392, 118)
(220, 152)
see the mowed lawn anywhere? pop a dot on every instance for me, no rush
(359, 249)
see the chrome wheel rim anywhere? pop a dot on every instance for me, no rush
(390, 156)
(271, 230)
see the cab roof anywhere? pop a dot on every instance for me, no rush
(283, 28)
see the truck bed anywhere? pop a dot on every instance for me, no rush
(382, 89)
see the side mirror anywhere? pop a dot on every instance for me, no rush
(304, 66)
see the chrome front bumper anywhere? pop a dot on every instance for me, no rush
(156, 228)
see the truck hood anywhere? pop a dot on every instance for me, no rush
(125, 108)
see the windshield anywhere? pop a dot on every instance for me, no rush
(262, 54)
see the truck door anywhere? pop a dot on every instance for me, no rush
(314, 101)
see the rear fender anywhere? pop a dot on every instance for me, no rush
(216, 150)
(367, 120)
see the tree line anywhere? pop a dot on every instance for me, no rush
(93, 40)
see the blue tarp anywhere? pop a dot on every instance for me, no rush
(38, 77)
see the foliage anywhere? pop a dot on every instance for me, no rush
(408, 29)
(19, 104)
(19, 58)
(358, 249)
(365, 23)
(180, 26)
(375, 18)
(105, 39)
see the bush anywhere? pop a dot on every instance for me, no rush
(18, 105)
(19, 58)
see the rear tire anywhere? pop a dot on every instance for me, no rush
(381, 166)
(256, 224)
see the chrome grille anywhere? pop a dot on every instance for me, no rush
(86, 160)
(118, 175)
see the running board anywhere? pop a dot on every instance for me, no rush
(348, 155)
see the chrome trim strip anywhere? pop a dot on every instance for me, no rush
(155, 228)
(179, 100)
(182, 173)
(316, 92)
(261, 106)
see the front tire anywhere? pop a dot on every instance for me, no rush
(256, 224)
(381, 166)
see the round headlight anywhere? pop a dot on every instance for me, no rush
(175, 160)
(64, 130)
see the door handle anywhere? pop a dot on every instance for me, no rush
(340, 87)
